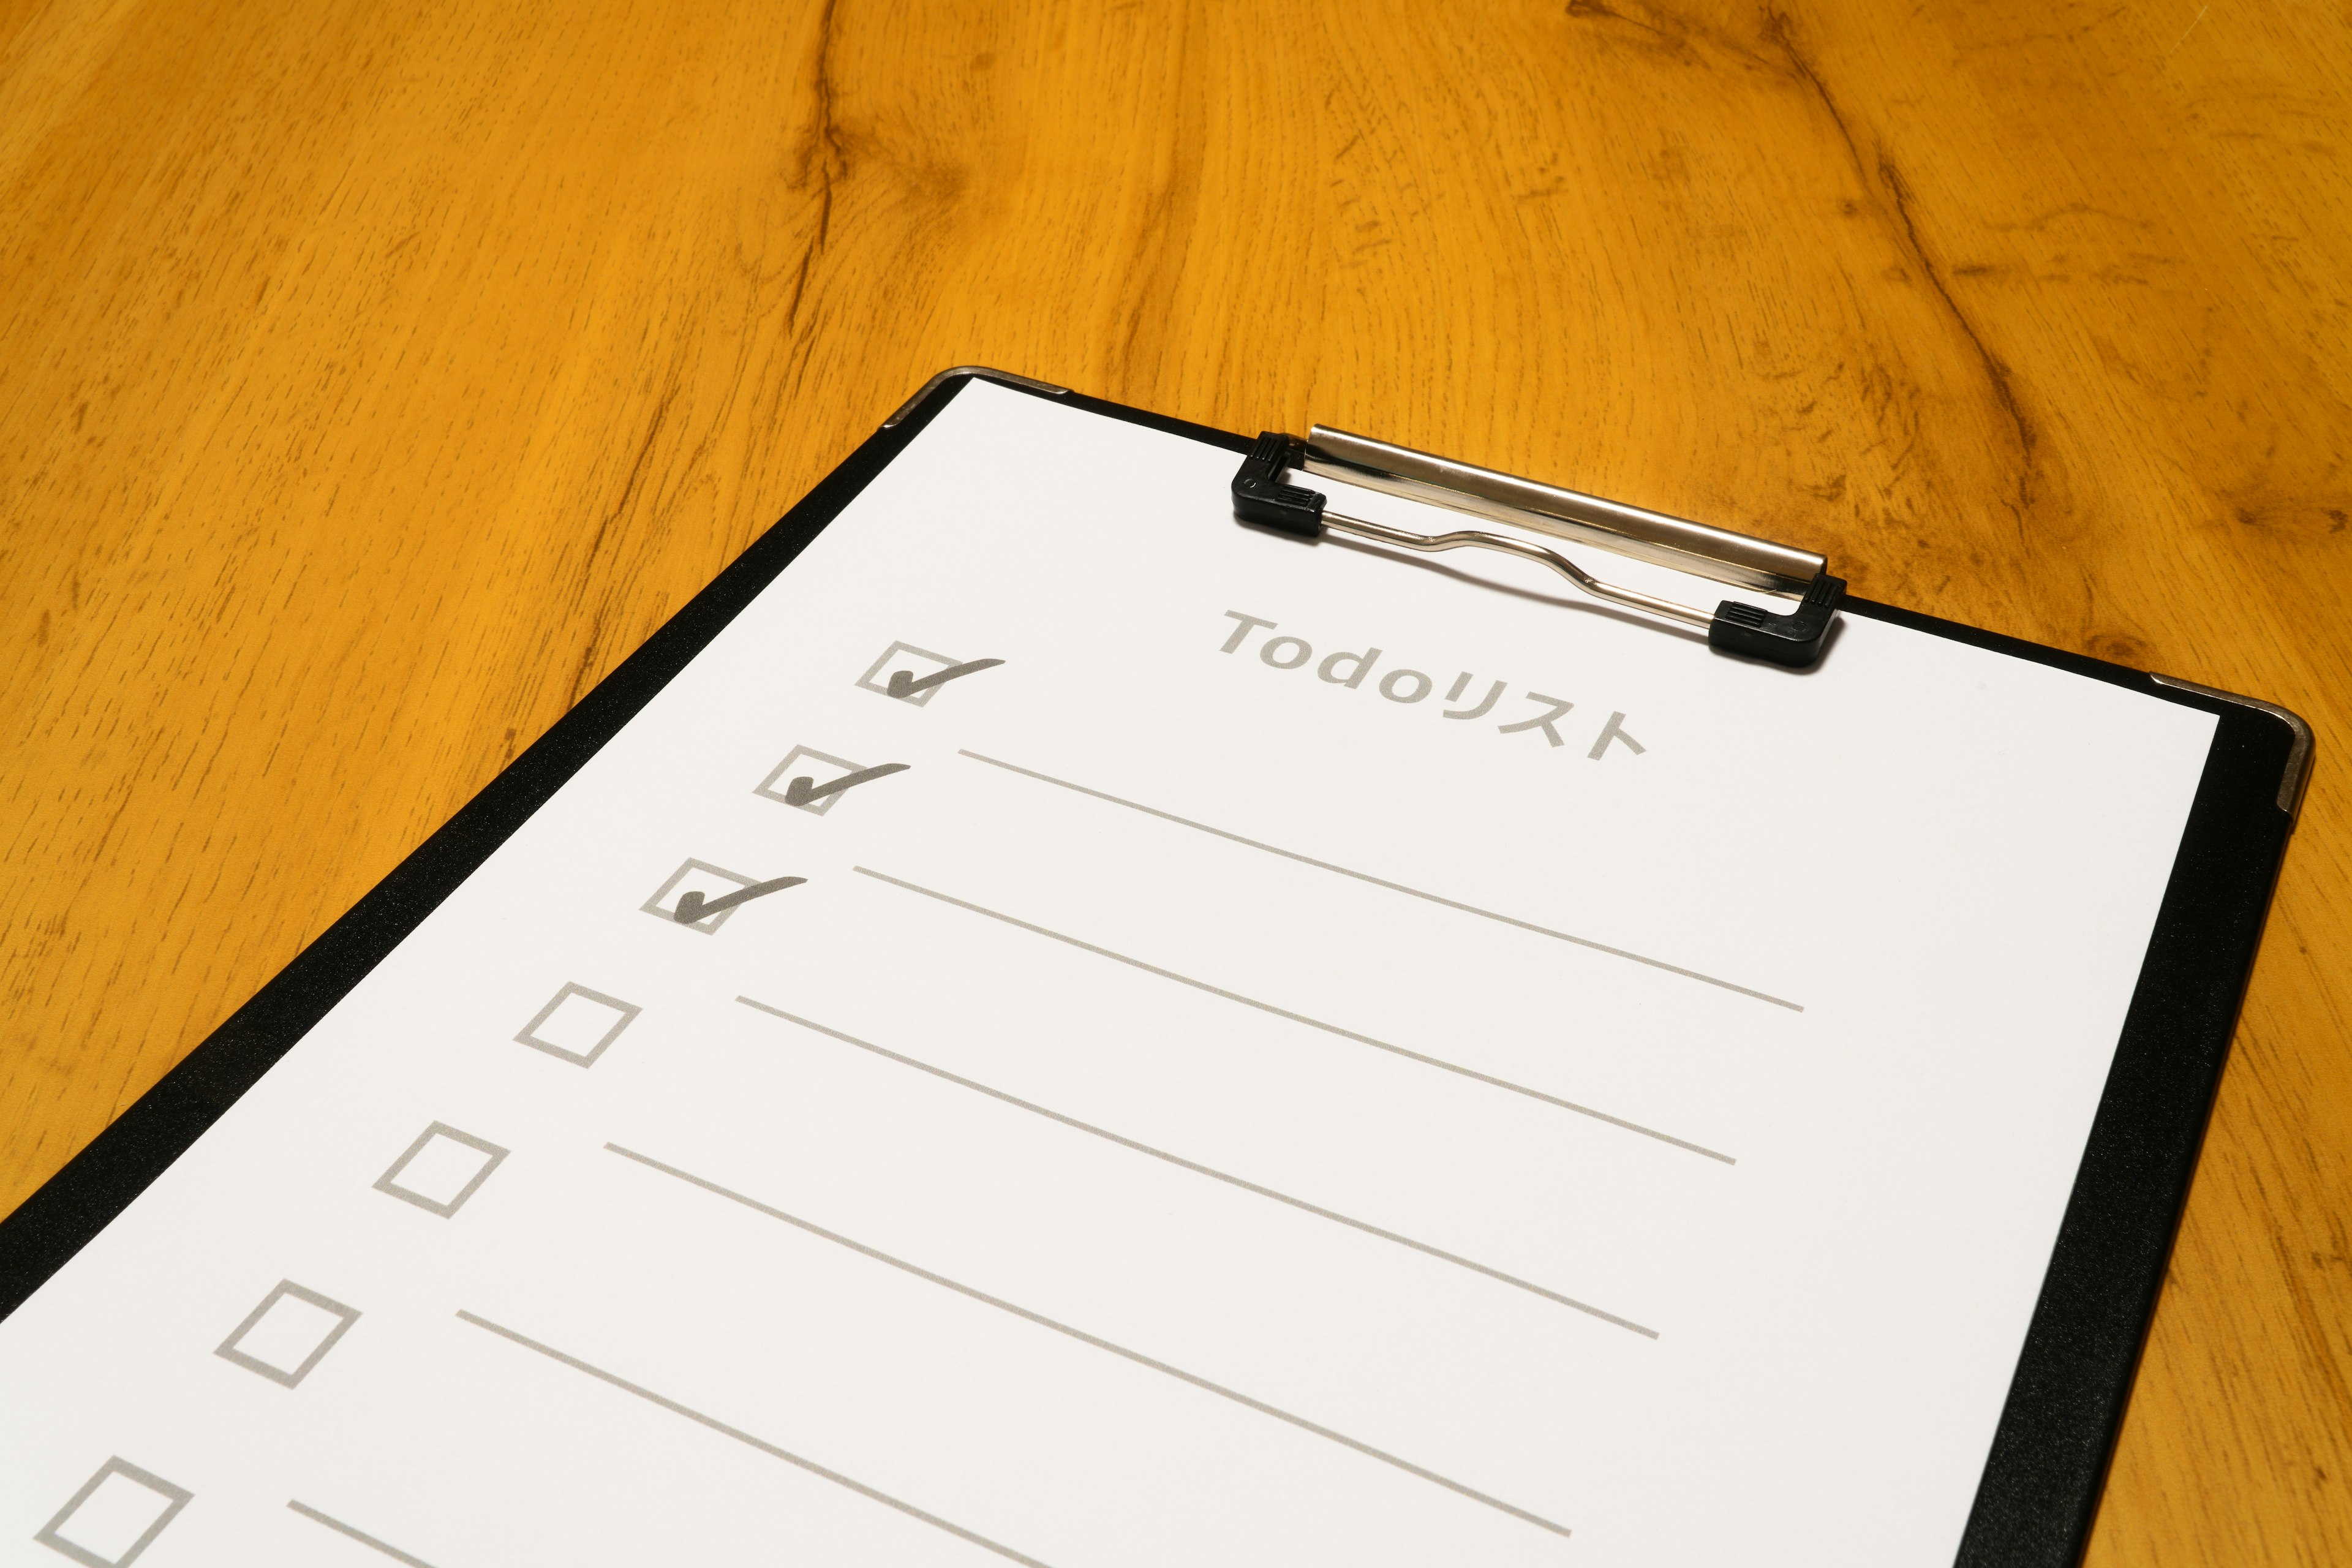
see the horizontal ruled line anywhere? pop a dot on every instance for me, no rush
(1095, 1341)
(1424, 1060)
(1437, 898)
(1211, 1172)
(362, 1536)
(748, 1441)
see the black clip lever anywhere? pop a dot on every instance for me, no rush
(1794, 640)
(1261, 497)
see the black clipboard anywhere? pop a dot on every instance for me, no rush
(2041, 1486)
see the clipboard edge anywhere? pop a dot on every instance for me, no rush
(968, 372)
(2294, 777)
(2044, 1478)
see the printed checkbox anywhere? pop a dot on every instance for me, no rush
(698, 877)
(908, 657)
(441, 1170)
(290, 1332)
(578, 1024)
(817, 766)
(114, 1516)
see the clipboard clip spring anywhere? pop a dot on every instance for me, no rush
(1794, 638)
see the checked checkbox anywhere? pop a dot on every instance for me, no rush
(702, 897)
(811, 780)
(910, 674)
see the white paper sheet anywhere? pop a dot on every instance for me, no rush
(1200, 1111)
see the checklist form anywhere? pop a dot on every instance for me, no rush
(1074, 1033)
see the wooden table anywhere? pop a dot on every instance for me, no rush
(378, 372)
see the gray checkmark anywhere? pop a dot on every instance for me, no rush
(693, 907)
(903, 683)
(804, 789)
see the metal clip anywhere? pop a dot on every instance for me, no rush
(1262, 496)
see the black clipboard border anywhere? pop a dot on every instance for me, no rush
(2048, 1465)
(2050, 1449)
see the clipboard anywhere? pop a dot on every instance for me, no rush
(2040, 1485)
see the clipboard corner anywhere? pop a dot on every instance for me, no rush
(969, 373)
(2295, 780)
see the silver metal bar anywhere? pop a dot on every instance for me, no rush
(2297, 776)
(1726, 557)
(1430, 543)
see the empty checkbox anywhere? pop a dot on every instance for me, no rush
(441, 1169)
(290, 1332)
(905, 656)
(578, 1024)
(114, 1516)
(800, 762)
(698, 877)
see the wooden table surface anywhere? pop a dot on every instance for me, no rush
(377, 374)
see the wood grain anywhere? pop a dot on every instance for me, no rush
(378, 372)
